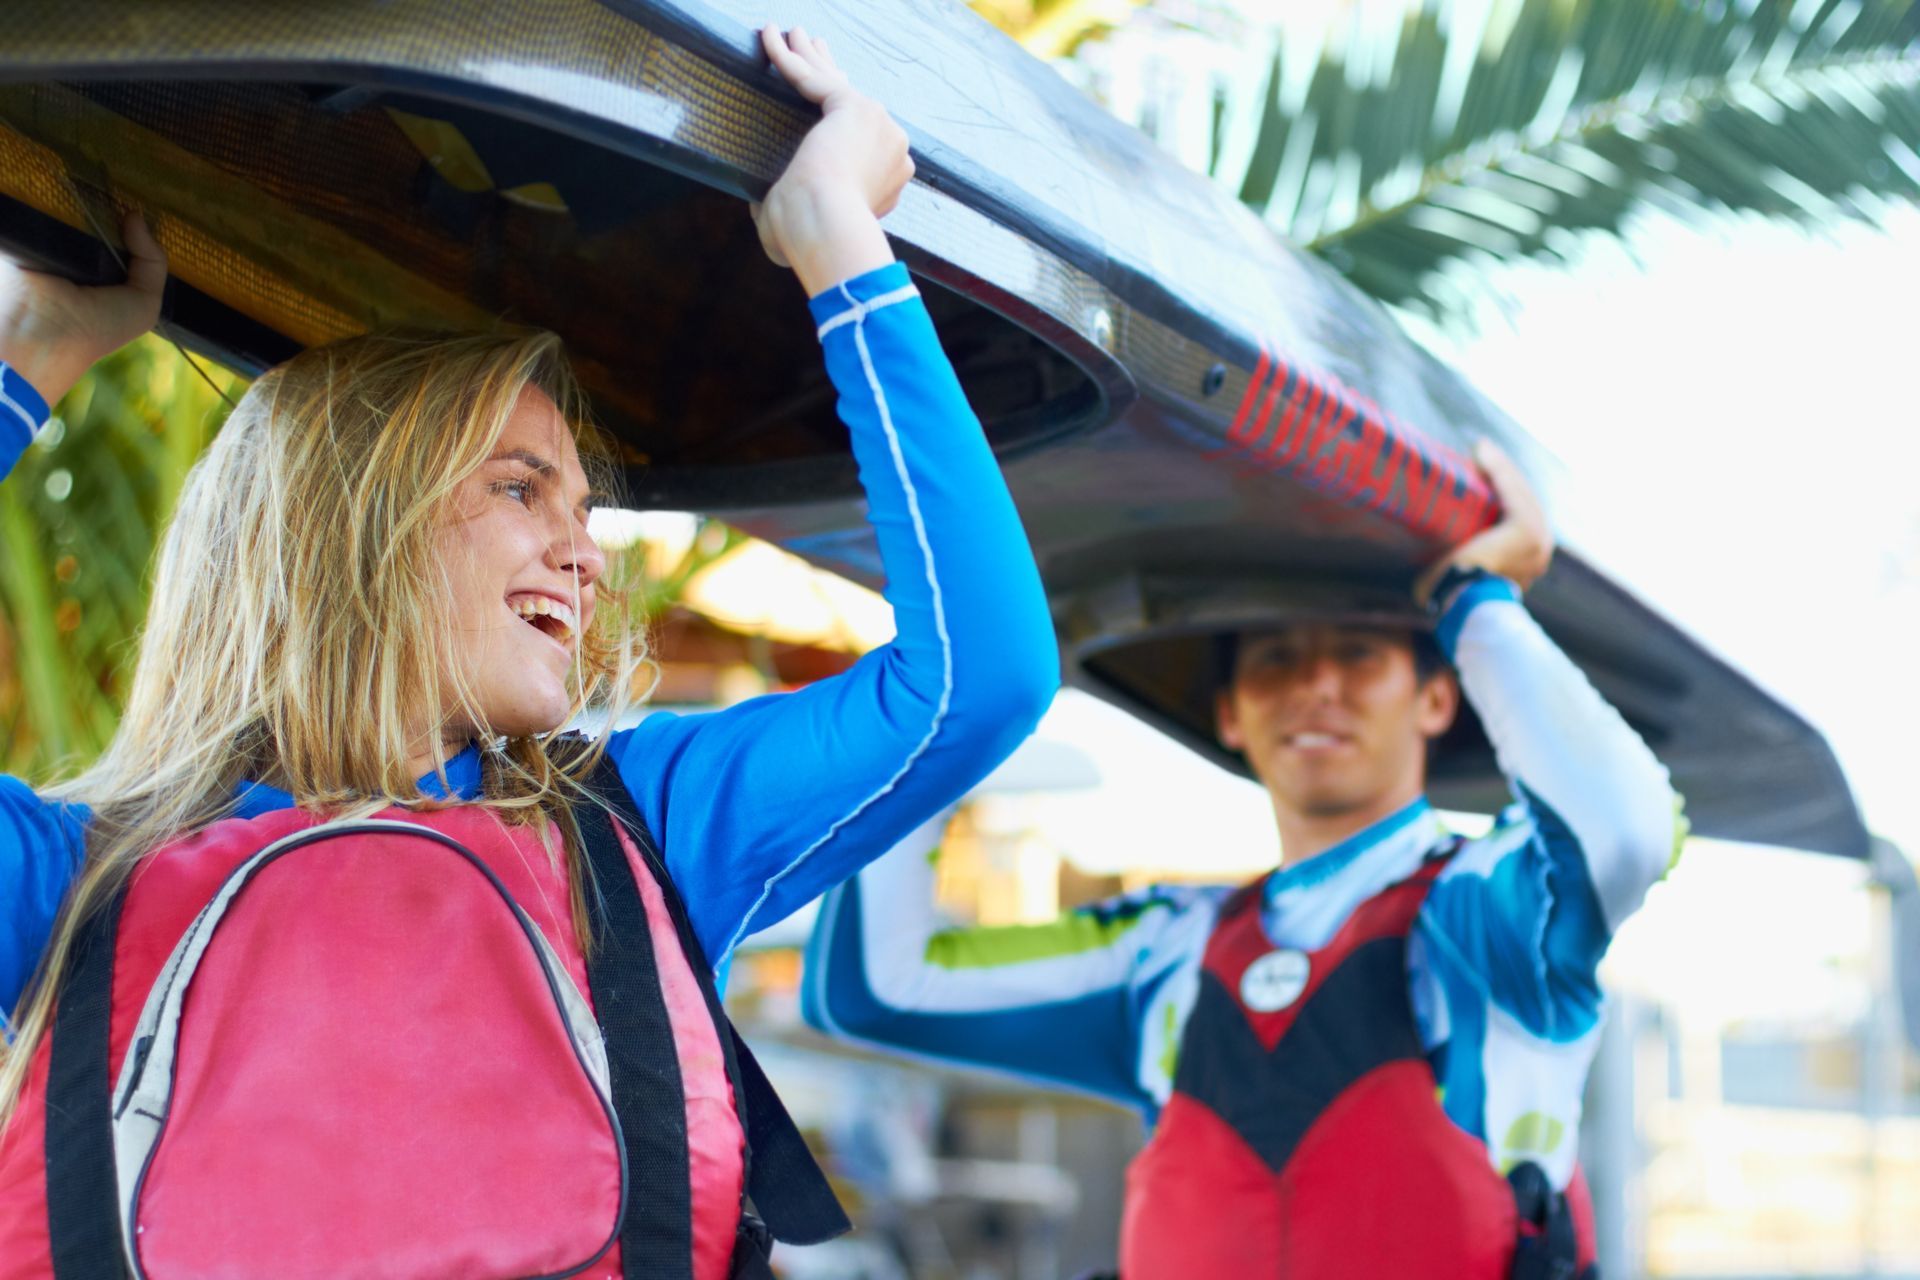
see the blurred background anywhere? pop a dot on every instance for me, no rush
(1699, 295)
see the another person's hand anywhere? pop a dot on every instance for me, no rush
(822, 216)
(52, 330)
(1518, 547)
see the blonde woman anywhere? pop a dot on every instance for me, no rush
(366, 970)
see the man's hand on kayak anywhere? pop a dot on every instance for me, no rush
(1518, 547)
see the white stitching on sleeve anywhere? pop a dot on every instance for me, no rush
(856, 316)
(861, 310)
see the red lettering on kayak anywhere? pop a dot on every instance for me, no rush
(1340, 442)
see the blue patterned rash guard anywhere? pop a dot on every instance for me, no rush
(1502, 960)
(763, 806)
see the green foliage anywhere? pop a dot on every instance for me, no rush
(80, 517)
(1478, 133)
(665, 585)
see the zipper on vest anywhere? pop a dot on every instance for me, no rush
(141, 1048)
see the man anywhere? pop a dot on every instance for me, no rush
(1341, 1060)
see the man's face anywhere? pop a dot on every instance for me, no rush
(1334, 719)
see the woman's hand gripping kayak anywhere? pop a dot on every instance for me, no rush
(52, 330)
(822, 217)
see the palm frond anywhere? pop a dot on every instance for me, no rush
(1498, 129)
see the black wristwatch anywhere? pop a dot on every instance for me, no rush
(1452, 581)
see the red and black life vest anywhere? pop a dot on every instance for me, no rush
(308, 1049)
(1305, 1138)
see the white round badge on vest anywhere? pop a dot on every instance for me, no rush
(1274, 981)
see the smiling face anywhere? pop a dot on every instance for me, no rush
(1334, 719)
(521, 568)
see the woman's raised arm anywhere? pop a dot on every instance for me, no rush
(764, 806)
(51, 332)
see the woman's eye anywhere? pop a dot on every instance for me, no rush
(520, 491)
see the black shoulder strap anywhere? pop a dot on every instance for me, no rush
(657, 1237)
(83, 1213)
(786, 1185)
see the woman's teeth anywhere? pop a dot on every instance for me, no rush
(562, 623)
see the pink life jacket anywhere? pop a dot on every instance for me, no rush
(377, 1048)
(1305, 1136)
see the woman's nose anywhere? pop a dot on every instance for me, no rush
(575, 552)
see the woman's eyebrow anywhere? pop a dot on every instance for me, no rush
(528, 457)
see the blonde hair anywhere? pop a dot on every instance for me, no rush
(297, 629)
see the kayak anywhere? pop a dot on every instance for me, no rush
(1203, 426)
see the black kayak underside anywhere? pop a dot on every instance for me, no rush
(1202, 426)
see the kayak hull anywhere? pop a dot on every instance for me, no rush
(1202, 425)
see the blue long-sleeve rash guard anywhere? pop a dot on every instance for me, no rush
(763, 806)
